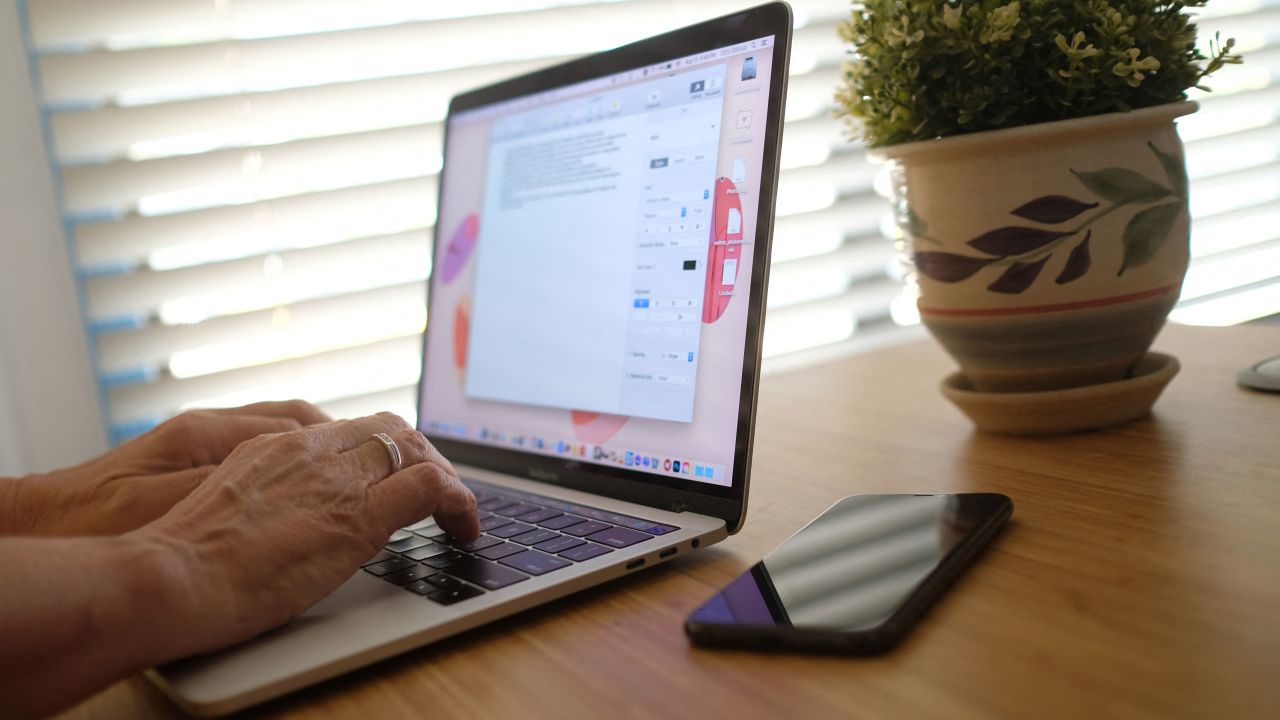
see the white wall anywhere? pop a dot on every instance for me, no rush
(49, 413)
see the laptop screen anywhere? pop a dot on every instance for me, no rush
(593, 263)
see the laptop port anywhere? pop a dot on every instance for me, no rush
(635, 564)
(668, 552)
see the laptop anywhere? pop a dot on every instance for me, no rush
(592, 357)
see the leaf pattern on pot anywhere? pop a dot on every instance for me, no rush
(1024, 251)
(1052, 209)
(1120, 185)
(1146, 232)
(1174, 169)
(1077, 263)
(1018, 277)
(1014, 240)
(948, 267)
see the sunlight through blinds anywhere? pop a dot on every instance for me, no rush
(249, 185)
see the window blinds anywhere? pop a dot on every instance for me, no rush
(248, 186)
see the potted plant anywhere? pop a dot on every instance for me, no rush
(1040, 188)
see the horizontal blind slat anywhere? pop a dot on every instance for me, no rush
(197, 293)
(78, 24)
(320, 378)
(236, 176)
(146, 352)
(190, 71)
(257, 228)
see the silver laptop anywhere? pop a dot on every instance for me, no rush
(592, 357)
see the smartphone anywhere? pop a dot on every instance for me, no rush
(855, 579)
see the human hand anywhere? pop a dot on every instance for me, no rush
(139, 481)
(287, 518)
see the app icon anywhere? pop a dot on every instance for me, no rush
(675, 466)
(630, 458)
(684, 469)
(666, 465)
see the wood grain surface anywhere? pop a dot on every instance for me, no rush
(1139, 577)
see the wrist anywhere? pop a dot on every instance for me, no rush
(161, 582)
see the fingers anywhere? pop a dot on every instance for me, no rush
(371, 459)
(345, 435)
(151, 498)
(421, 490)
(210, 437)
(302, 411)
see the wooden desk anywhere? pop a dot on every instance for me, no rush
(1140, 576)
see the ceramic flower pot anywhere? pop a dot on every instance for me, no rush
(1047, 256)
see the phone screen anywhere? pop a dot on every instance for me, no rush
(857, 567)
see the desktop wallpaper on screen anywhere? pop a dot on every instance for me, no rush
(593, 259)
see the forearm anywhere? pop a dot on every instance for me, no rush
(79, 614)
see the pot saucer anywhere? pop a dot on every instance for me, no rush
(1057, 412)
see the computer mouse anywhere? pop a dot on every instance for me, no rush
(1261, 376)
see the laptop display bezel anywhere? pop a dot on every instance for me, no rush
(669, 493)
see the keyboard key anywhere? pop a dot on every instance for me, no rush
(539, 515)
(494, 522)
(485, 574)
(408, 575)
(426, 551)
(422, 524)
(517, 509)
(564, 542)
(500, 551)
(561, 522)
(496, 503)
(619, 537)
(511, 530)
(422, 587)
(585, 552)
(444, 560)
(534, 562)
(453, 595)
(409, 543)
(479, 543)
(387, 567)
(382, 555)
(533, 537)
(399, 535)
(440, 581)
(586, 528)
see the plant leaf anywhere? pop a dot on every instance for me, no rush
(1174, 168)
(1014, 240)
(915, 224)
(1018, 277)
(1052, 209)
(1146, 232)
(1077, 263)
(1120, 185)
(948, 267)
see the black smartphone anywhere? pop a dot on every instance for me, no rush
(855, 579)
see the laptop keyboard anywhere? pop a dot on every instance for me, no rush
(523, 535)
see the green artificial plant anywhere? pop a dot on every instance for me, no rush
(925, 69)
